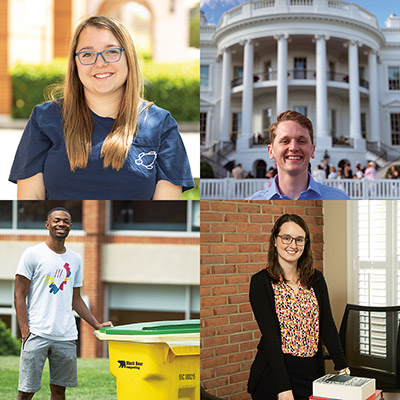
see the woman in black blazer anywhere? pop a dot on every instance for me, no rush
(291, 305)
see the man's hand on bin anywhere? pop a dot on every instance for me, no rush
(104, 324)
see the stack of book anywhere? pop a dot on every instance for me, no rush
(341, 387)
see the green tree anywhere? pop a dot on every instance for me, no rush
(9, 346)
(194, 33)
(206, 170)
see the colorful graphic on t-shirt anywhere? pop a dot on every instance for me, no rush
(58, 275)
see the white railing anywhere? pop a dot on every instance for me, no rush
(263, 4)
(239, 189)
(257, 8)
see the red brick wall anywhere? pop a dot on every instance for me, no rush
(62, 15)
(93, 216)
(234, 239)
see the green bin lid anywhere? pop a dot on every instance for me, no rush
(155, 328)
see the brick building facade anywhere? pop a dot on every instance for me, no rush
(234, 239)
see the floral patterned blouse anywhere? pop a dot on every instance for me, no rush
(298, 316)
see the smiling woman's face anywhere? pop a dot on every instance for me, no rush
(101, 78)
(289, 253)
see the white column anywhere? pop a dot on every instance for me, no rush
(225, 112)
(354, 95)
(282, 78)
(373, 97)
(322, 132)
(247, 98)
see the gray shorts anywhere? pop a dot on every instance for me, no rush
(62, 363)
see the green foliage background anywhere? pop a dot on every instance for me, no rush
(175, 87)
(206, 170)
(8, 344)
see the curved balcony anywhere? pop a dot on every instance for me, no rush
(299, 74)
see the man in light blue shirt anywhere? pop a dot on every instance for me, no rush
(292, 146)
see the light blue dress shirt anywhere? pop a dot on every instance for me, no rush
(315, 191)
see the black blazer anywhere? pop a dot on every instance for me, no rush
(269, 349)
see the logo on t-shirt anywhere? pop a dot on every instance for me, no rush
(59, 278)
(147, 159)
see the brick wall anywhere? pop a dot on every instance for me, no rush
(234, 239)
(62, 15)
(93, 216)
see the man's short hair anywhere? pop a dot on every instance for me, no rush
(290, 115)
(58, 209)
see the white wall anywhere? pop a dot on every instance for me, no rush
(151, 264)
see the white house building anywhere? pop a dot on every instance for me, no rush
(327, 59)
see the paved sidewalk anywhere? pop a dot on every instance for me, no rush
(9, 140)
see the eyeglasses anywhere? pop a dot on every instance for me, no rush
(287, 239)
(109, 56)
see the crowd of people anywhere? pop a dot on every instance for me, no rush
(325, 171)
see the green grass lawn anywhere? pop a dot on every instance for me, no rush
(94, 380)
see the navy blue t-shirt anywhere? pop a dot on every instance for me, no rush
(157, 153)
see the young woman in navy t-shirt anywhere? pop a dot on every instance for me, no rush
(102, 140)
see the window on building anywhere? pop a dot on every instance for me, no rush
(301, 110)
(180, 216)
(261, 169)
(237, 72)
(204, 76)
(332, 122)
(394, 78)
(267, 71)
(375, 272)
(364, 125)
(5, 214)
(237, 76)
(236, 125)
(300, 68)
(32, 214)
(132, 303)
(395, 129)
(203, 127)
(266, 122)
(331, 71)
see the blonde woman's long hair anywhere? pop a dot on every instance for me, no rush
(77, 118)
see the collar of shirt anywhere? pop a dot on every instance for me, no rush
(313, 191)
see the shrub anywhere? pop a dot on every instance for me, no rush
(9, 346)
(206, 170)
(194, 29)
(28, 83)
(175, 87)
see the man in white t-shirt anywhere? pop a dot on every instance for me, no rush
(47, 288)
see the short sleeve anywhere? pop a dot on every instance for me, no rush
(32, 151)
(172, 160)
(27, 263)
(78, 282)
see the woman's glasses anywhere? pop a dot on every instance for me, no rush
(287, 239)
(109, 56)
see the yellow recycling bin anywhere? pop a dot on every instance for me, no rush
(155, 361)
